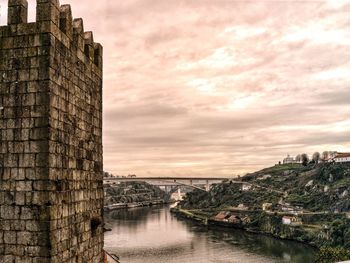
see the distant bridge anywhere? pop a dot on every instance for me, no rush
(202, 183)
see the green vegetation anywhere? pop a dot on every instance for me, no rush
(133, 192)
(340, 233)
(226, 195)
(316, 188)
(332, 254)
(318, 194)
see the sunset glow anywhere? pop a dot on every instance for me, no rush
(196, 87)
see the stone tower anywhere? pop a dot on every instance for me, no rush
(51, 188)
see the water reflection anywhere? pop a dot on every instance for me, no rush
(151, 235)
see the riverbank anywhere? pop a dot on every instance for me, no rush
(308, 204)
(133, 194)
(207, 218)
(295, 233)
(111, 207)
(153, 234)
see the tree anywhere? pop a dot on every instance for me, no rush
(305, 159)
(332, 254)
(325, 155)
(298, 158)
(316, 157)
(338, 230)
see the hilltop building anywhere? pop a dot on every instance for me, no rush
(289, 160)
(342, 158)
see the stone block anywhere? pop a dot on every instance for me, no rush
(17, 12)
(47, 10)
(51, 136)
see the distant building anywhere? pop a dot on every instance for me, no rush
(286, 220)
(246, 187)
(228, 217)
(291, 220)
(178, 195)
(242, 207)
(223, 216)
(234, 219)
(289, 159)
(342, 158)
(286, 207)
(348, 215)
(266, 206)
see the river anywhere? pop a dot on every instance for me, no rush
(154, 235)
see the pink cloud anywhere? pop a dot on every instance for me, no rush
(219, 87)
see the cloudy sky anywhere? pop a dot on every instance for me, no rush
(219, 87)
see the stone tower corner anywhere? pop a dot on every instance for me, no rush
(51, 163)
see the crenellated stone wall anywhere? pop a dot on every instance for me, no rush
(51, 189)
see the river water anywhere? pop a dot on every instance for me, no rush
(154, 235)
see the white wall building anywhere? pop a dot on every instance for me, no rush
(289, 159)
(286, 220)
(246, 187)
(342, 158)
(291, 220)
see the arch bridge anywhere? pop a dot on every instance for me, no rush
(201, 183)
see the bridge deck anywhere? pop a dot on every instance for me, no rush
(166, 178)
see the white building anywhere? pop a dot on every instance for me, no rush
(242, 207)
(266, 206)
(289, 159)
(291, 220)
(246, 187)
(342, 158)
(286, 220)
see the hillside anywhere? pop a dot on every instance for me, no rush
(321, 188)
(309, 204)
(133, 192)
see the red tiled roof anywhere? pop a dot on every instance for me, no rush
(221, 215)
(342, 155)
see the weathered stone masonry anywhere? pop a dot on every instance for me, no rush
(51, 191)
